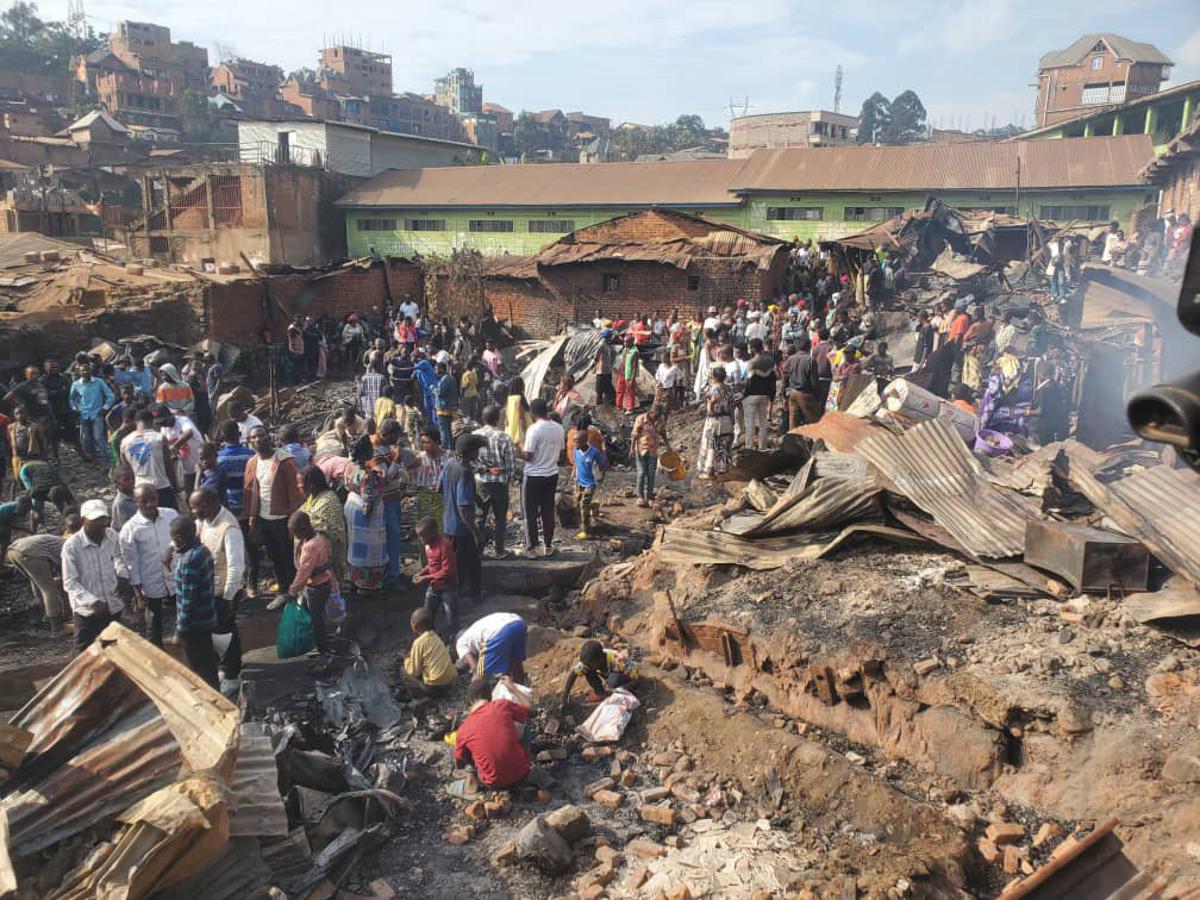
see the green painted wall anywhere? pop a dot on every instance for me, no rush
(752, 215)
(1165, 121)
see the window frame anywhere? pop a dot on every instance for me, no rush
(784, 213)
(440, 223)
(491, 226)
(610, 282)
(375, 223)
(550, 226)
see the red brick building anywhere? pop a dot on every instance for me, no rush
(654, 260)
(1177, 172)
(1097, 70)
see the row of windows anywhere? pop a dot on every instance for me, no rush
(1078, 213)
(536, 226)
(817, 213)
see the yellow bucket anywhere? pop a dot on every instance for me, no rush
(673, 464)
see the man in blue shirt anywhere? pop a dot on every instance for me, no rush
(142, 378)
(588, 460)
(457, 486)
(90, 398)
(231, 463)
(446, 402)
(195, 601)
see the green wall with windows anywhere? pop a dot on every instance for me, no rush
(403, 232)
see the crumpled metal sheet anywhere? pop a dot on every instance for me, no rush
(686, 546)
(259, 810)
(931, 466)
(826, 503)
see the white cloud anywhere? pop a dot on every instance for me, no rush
(963, 28)
(1187, 59)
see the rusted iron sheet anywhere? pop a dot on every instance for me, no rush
(686, 546)
(258, 810)
(840, 431)
(1095, 866)
(931, 466)
(119, 722)
(14, 744)
(1174, 610)
(827, 503)
(1159, 506)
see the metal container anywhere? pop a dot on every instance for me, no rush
(1089, 559)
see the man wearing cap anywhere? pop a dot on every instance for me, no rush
(91, 563)
(144, 541)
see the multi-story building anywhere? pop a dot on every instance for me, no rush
(1097, 70)
(137, 99)
(458, 92)
(148, 49)
(482, 130)
(311, 99)
(805, 128)
(406, 113)
(352, 70)
(578, 122)
(253, 86)
(504, 117)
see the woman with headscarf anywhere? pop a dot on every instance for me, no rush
(325, 512)
(366, 547)
(427, 377)
(174, 391)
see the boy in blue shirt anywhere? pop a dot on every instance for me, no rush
(588, 460)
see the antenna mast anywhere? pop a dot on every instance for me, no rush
(837, 89)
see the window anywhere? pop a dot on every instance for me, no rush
(871, 213)
(795, 213)
(611, 283)
(1097, 63)
(376, 224)
(693, 282)
(1004, 210)
(551, 226)
(1094, 94)
(490, 225)
(424, 224)
(1078, 213)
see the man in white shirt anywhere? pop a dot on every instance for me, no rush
(544, 443)
(184, 440)
(91, 562)
(145, 540)
(756, 330)
(221, 533)
(712, 322)
(150, 458)
(409, 309)
(494, 646)
(245, 421)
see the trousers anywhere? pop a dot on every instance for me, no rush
(583, 502)
(494, 497)
(42, 574)
(470, 567)
(647, 469)
(315, 598)
(757, 422)
(537, 496)
(91, 437)
(445, 601)
(201, 657)
(272, 535)
(88, 628)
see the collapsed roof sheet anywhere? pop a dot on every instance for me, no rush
(930, 465)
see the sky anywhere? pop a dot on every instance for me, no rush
(649, 61)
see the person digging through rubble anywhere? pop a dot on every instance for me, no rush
(493, 738)
(439, 575)
(39, 557)
(494, 645)
(605, 670)
(427, 667)
(195, 601)
(589, 463)
(44, 483)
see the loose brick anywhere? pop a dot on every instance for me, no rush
(680, 893)
(673, 841)
(610, 855)
(666, 758)
(1048, 832)
(600, 784)
(925, 666)
(381, 890)
(614, 770)
(659, 814)
(588, 754)
(1012, 860)
(1001, 833)
(611, 799)
(457, 836)
(497, 808)
(543, 795)
(637, 878)
(591, 892)
(640, 848)
(506, 854)
(685, 793)
(653, 795)
(544, 757)
(476, 810)
(989, 851)
(628, 777)
(686, 815)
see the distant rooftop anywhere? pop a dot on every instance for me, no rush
(1123, 47)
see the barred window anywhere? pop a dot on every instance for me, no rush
(490, 225)
(551, 226)
(795, 213)
(1079, 213)
(376, 224)
(871, 213)
(424, 224)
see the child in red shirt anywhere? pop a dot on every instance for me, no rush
(488, 738)
(440, 574)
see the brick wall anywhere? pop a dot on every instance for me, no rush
(1181, 190)
(645, 226)
(528, 305)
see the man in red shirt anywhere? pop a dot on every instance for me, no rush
(489, 739)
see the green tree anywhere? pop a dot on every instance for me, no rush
(907, 122)
(20, 25)
(687, 131)
(302, 75)
(874, 119)
(529, 135)
(201, 120)
(30, 44)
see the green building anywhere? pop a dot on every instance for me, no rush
(817, 193)
(1163, 116)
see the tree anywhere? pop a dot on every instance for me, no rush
(201, 120)
(907, 120)
(303, 75)
(687, 131)
(874, 119)
(27, 43)
(20, 25)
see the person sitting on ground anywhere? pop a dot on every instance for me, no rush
(494, 645)
(427, 665)
(489, 738)
(605, 671)
(440, 574)
(195, 601)
(588, 463)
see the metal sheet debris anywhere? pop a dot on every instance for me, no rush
(1174, 610)
(686, 546)
(259, 810)
(1089, 559)
(930, 465)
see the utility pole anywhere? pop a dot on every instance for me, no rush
(837, 89)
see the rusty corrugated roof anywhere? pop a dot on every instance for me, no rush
(702, 183)
(1068, 163)
(931, 466)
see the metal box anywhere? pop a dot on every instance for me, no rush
(1090, 560)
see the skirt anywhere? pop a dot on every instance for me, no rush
(367, 578)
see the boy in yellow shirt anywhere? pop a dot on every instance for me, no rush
(427, 665)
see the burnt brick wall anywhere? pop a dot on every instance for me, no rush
(528, 305)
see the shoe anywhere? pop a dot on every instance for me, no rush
(583, 536)
(548, 552)
(278, 602)
(643, 502)
(503, 554)
(251, 593)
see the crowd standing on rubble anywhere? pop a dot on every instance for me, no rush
(421, 463)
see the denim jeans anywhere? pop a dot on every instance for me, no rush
(647, 468)
(444, 600)
(445, 423)
(91, 437)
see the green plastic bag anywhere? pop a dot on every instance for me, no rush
(294, 636)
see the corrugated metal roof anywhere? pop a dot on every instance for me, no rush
(259, 809)
(510, 267)
(1159, 506)
(698, 184)
(1074, 163)
(930, 465)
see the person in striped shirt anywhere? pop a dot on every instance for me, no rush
(605, 670)
(195, 600)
